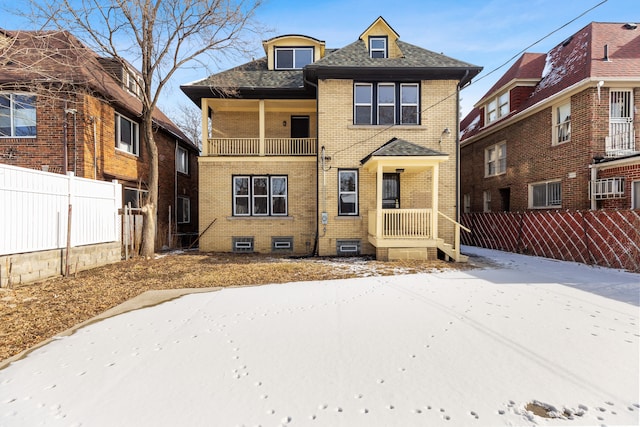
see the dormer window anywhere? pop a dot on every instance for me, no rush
(497, 107)
(378, 47)
(293, 58)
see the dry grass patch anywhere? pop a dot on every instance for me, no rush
(30, 314)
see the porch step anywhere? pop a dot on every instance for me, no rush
(449, 252)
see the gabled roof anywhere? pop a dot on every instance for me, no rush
(397, 147)
(579, 58)
(254, 79)
(28, 58)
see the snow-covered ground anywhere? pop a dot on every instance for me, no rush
(458, 348)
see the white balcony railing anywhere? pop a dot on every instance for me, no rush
(261, 147)
(622, 140)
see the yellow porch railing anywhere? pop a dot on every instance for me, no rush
(402, 224)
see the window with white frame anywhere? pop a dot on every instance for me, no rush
(183, 210)
(17, 115)
(562, 122)
(466, 203)
(393, 103)
(378, 47)
(293, 58)
(348, 192)
(127, 134)
(134, 197)
(182, 160)
(497, 107)
(546, 194)
(486, 201)
(495, 159)
(260, 195)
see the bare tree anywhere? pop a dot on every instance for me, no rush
(189, 119)
(161, 36)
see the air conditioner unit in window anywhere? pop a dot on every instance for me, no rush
(607, 188)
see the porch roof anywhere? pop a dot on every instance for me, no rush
(400, 152)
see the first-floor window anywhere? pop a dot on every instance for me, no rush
(545, 194)
(183, 210)
(260, 195)
(486, 201)
(466, 203)
(126, 134)
(17, 115)
(348, 192)
(134, 197)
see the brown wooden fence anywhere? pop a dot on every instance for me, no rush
(609, 238)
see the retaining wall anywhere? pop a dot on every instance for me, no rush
(35, 266)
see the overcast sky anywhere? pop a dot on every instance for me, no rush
(487, 33)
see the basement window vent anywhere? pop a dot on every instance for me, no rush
(281, 244)
(607, 188)
(242, 244)
(348, 247)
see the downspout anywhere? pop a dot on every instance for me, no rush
(594, 176)
(95, 147)
(65, 154)
(315, 243)
(458, 88)
(175, 192)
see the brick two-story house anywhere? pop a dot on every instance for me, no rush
(311, 150)
(64, 109)
(559, 130)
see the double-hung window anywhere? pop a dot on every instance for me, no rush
(495, 159)
(126, 132)
(386, 103)
(182, 160)
(545, 194)
(17, 115)
(497, 107)
(183, 210)
(293, 58)
(378, 47)
(260, 195)
(562, 131)
(348, 192)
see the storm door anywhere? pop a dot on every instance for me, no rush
(391, 191)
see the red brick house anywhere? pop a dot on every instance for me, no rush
(64, 109)
(559, 130)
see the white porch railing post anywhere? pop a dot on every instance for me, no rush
(262, 126)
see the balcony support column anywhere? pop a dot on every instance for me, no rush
(434, 200)
(379, 214)
(261, 121)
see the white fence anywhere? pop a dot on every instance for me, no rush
(35, 208)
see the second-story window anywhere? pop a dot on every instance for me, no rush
(393, 103)
(182, 160)
(495, 159)
(378, 47)
(293, 58)
(17, 115)
(126, 132)
(562, 129)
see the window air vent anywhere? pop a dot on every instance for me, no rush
(281, 244)
(242, 244)
(348, 247)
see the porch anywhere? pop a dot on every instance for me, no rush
(259, 127)
(414, 229)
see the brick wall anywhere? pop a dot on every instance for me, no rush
(630, 173)
(216, 203)
(532, 158)
(347, 145)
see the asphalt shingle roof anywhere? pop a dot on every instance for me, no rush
(397, 147)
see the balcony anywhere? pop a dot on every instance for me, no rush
(621, 141)
(261, 147)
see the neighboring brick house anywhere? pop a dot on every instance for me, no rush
(311, 150)
(64, 109)
(559, 131)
